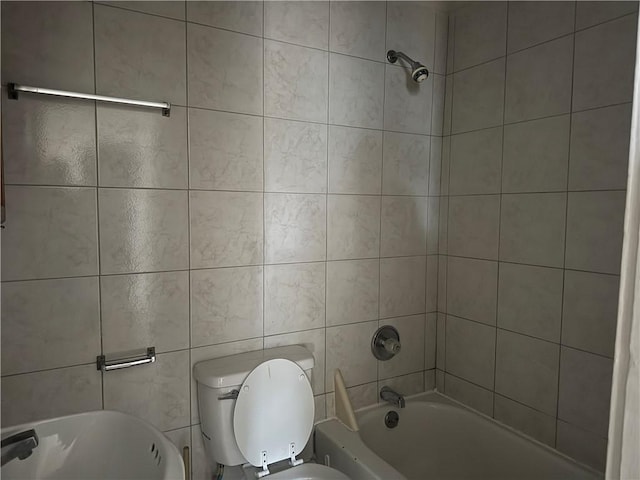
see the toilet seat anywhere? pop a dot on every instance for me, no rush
(274, 412)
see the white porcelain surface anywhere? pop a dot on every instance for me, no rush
(295, 156)
(48, 45)
(352, 291)
(157, 393)
(442, 42)
(226, 229)
(67, 390)
(402, 286)
(530, 300)
(433, 222)
(208, 353)
(584, 446)
(531, 23)
(478, 97)
(590, 311)
(411, 28)
(476, 161)
(438, 104)
(470, 350)
(532, 422)
(302, 23)
(150, 309)
(143, 230)
(600, 148)
(355, 160)
(435, 165)
(353, 227)
(314, 342)
(295, 82)
(226, 305)
(437, 420)
(295, 228)
(527, 370)
(532, 229)
(535, 155)
(431, 283)
(472, 289)
(294, 297)
(403, 226)
(225, 151)
(73, 447)
(49, 141)
(359, 396)
(474, 217)
(56, 321)
(349, 349)
(229, 88)
(169, 8)
(608, 52)
(139, 148)
(480, 34)
(139, 56)
(595, 224)
(407, 384)
(430, 340)
(592, 13)
(358, 29)
(411, 359)
(53, 233)
(245, 17)
(405, 164)
(356, 89)
(407, 104)
(469, 393)
(585, 390)
(539, 81)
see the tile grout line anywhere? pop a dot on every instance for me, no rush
(504, 109)
(97, 197)
(430, 210)
(384, 94)
(264, 171)
(326, 219)
(545, 42)
(346, 194)
(566, 223)
(446, 214)
(190, 312)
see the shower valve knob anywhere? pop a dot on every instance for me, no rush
(385, 343)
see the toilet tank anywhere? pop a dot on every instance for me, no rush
(216, 379)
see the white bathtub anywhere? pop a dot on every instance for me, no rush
(437, 438)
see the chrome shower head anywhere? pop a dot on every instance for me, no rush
(419, 72)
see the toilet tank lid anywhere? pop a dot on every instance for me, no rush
(232, 370)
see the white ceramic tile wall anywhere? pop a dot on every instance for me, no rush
(534, 161)
(291, 197)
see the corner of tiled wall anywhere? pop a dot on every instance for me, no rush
(537, 120)
(293, 196)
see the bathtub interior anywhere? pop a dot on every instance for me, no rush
(438, 438)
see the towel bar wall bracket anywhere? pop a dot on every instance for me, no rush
(13, 89)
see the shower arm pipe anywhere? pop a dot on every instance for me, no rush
(405, 57)
(14, 88)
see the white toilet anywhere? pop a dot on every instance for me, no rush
(257, 408)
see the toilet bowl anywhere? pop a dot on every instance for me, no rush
(257, 409)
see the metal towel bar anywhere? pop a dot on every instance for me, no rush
(14, 88)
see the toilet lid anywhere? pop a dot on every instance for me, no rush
(274, 411)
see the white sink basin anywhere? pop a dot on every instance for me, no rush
(96, 445)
